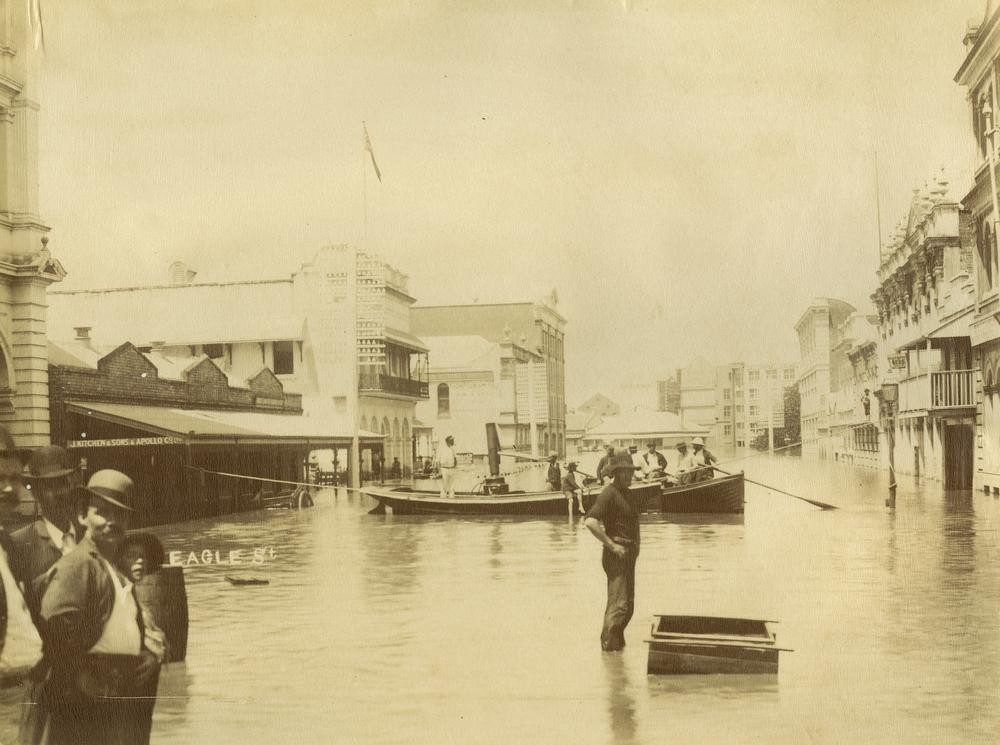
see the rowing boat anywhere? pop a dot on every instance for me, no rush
(714, 496)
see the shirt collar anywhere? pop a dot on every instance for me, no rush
(54, 533)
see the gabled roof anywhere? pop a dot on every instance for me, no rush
(642, 423)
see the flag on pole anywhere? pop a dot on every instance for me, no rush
(368, 147)
(35, 22)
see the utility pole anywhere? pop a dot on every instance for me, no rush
(532, 418)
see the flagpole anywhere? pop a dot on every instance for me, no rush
(364, 189)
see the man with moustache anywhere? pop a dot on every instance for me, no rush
(93, 628)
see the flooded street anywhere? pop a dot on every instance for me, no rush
(379, 629)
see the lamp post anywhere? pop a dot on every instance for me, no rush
(887, 398)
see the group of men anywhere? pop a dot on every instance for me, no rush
(694, 462)
(79, 656)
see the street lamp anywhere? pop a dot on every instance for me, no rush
(887, 399)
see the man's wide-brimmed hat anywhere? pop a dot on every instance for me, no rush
(571, 465)
(681, 446)
(621, 460)
(50, 462)
(114, 487)
(698, 441)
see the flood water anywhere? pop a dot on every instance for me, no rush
(382, 629)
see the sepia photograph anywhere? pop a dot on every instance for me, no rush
(584, 372)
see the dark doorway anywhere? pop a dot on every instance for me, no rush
(958, 456)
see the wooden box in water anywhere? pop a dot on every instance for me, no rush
(707, 644)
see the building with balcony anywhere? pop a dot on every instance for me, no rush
(534, 328)
(340, 321)
(979, 75)
(855, 367)
(926, 301)
(816, 333)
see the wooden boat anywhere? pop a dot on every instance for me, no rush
(680, 645)
(405, 500)
(723, 494)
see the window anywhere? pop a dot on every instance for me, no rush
(772, 374)
(986, 252)
(284, 358)
(753, 376)
(790, 374)
(214, 351)
(727, 395)
(727, 430)
(444, 400)
(753, 394)
(727, 412)
(754, 410)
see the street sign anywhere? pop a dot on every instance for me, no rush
(897, 361)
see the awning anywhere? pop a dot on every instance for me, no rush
(404, 339)
(957, 325)
(207, 427)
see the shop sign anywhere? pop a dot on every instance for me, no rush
(125, 442)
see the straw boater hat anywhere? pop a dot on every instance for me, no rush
(114, 487)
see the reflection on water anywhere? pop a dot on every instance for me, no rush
(383, 629)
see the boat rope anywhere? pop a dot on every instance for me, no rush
(272, 481)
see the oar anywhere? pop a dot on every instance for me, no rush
(821, 505)
(537, 459)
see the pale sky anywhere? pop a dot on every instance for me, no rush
(686, 175)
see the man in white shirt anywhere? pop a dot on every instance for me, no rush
(94, 630)
(448, 462)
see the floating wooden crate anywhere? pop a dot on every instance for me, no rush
(682, 645)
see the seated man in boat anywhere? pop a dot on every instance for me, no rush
(655, 462)
(571, 488)
(703, 460)
(685, 464)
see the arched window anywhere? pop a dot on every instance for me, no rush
(444, 400)
(987, 251)
(364, 423)
(395, 451)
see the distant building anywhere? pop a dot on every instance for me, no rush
(815, 329)
(734, 401)
(532, 326)
(977, 75)
(642, 427)
(668, 394)
(698, 396)
(749, 398)
(854, 382)
(926, 301)
(474, 382)
(301, 327)
(601, 405)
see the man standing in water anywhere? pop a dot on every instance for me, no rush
(614, 521)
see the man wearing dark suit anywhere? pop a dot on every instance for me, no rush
(51, 475)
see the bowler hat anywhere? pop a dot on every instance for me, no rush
(49, 462)
(114, 487)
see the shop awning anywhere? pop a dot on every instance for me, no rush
(208, 427)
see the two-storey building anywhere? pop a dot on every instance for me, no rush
(336, 332)
(926, 302)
